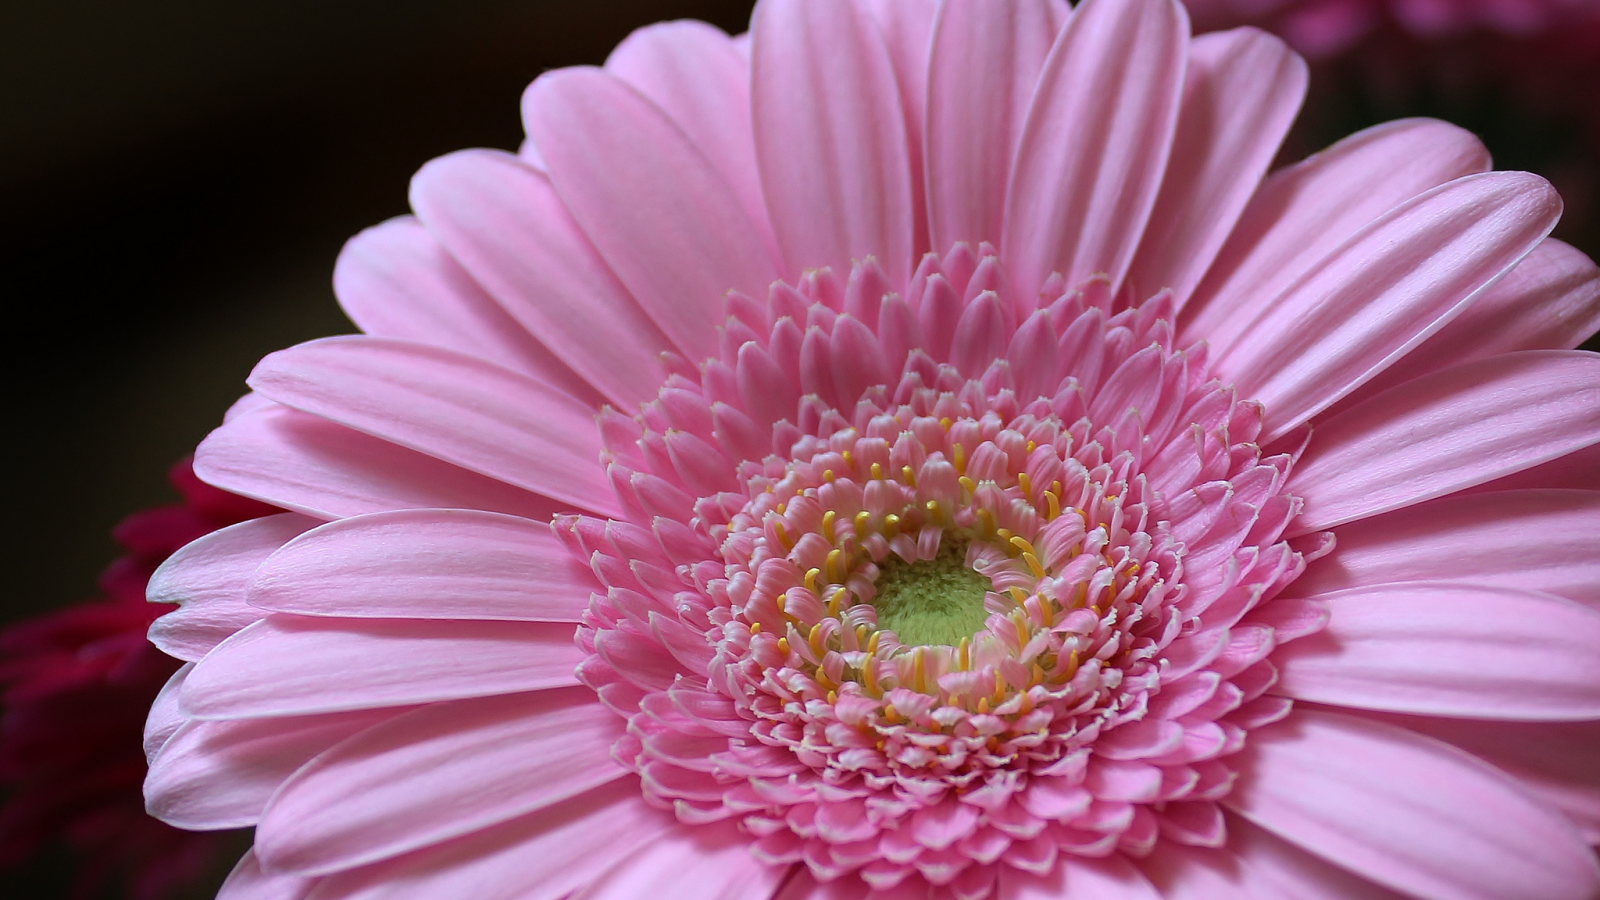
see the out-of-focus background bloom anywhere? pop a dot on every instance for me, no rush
(76, 684)
(177, 177)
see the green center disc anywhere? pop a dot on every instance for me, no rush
(937, 601)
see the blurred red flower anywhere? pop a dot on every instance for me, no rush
(78, 683)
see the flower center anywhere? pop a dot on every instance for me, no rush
(933, 602)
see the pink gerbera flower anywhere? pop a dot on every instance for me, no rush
(969, 478)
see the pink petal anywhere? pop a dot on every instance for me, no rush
(1101, 879)
(1444, 649)
(705, 862)
(1458, 427)
(248, 882)
(986, 60)
(543, 856)
(1278, 869)
(1408, 812)
(655, 207)
(474, 414)
(1078, 207)
(1551, 300)
(1551, 760)
(830, 137)
(503, 221)
(1194, 873)
(1383, 292)
(165, 718)
(209, 577)
(696, 74)
(1240, 94)
(214, 775)
(907, 29)
(427, 564)
(308, 464)
(288, 665)
(1541, 540)
(1304, 212)
(436, 773)
(394, 280)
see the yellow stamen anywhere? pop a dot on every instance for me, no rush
(919, 672)
(933, 510)
(861, 635)
(833, 697)
(863, 522)
(1020, 620)
(834, 566)
(964, 654)
(825, 682)
(1025, 482)
(827, 475)
(1021, 543)
(877, 472)
(985, 524)
(811, 579)
(833, 604)
(983, 706)
(945, 422)
(783, 534)
(783, 604)
(968, 485)
(1072, 665)
(815, 640)
(1052, 505)
(891, 525)
(755, 628)
(1018, 594)
(1032, 447)
(908, 475)
(1038, 675)
(890, 714)
(849, 458)
(1004, 534)
(1033, 564)
(828, 518)
(781, 508)
(1048, 608)
(783, 646)
(999, 688)
(872, 644)
(958, 456)
(869, 677)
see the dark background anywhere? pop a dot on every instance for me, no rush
(177, 177)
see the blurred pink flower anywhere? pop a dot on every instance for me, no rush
(1053, 508)
(78, 683)
(1326, 27)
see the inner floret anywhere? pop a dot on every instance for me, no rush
(931, 602)
(926, 579)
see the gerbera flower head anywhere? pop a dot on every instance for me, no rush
(914, 452)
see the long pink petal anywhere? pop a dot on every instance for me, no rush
(987, 56)
(655, 207)
(696, 74)
(1550, 301)
(289, 665)
(1077, 205)
(543, 856)
(208, 578)
(452, 407)
(1103, 879)
(1552, 760)
(308, 464)
(214, 775)
(1279, 870)
(1384, 292)
(395, 280)
(1304, 212)
(426, 564)
(248, 882)
(437, 773)
(503, 221)
(1449, 649)
(1180, 872)
(830, 137)
(1447, 431)
(1541, 540)
(1406, 811)
(907, 28)
(1240, 95)
(703, 862)
(165, 717)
